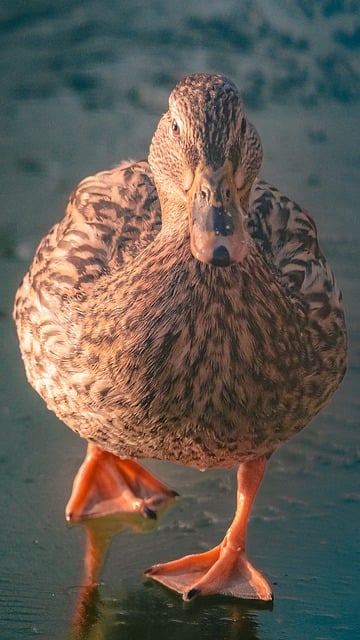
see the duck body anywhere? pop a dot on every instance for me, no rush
(150, 353)
(182, 310)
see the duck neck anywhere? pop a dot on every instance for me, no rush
(173, 212)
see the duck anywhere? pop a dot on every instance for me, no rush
(182, 310)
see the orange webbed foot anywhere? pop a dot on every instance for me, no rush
(106, 484)
(224, 569)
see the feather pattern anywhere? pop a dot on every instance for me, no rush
(144, 350)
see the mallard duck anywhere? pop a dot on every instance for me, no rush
(182, 310)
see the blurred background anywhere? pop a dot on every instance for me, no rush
(82, 87)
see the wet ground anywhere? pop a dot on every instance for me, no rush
(82, 88)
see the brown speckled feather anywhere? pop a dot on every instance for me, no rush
(141, 348)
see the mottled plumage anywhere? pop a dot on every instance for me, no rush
(185, 355)
(148, 351)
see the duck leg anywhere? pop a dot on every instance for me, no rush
(107, 484)
(224, 569)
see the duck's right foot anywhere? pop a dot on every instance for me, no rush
(106, 484)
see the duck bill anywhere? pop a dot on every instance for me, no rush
(218, 233)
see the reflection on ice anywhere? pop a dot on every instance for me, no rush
(157, 610)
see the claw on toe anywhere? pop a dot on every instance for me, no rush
(190, 595)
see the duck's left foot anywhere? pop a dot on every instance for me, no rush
(106, 484)
(222, 570)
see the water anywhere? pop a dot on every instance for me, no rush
(83, 87)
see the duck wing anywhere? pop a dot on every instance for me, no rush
(110, 218)
(287, 237)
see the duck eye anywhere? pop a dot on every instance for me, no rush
(175, 128)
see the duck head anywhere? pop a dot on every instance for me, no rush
(205, 156)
